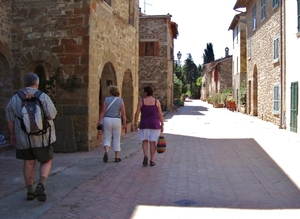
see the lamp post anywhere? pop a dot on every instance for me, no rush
(179, 56)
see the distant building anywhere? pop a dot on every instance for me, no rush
(216, 76)
(156, 56)
(239, 54)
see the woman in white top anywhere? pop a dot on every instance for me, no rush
(113, 110)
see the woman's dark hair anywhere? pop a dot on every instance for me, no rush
(114, 90)
(148, 90)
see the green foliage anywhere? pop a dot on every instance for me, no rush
(224, 95)
(243, 92)
(199, 81)
(216, 98)
(208, 55)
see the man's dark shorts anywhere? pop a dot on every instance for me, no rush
(42, 154)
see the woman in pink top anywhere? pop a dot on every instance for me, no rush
(151, 124)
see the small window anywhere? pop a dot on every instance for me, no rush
(254, 17)
(276, 100)
(298, 11)
(263, 9)
(237, 34)
(248, 47)
(276, 49)
(131, 13)
(148, 49)
(275, 3)
(108, 2)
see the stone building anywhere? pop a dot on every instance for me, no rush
(265, 59)
(216, 76)
(156, 58)
(239, 56)
(292, 60)
(78, 48)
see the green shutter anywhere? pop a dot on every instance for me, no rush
(276, 99)
(294, 107)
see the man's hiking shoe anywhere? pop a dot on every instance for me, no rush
(30, 196)
(39, 191)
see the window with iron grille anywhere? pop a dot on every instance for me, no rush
(275, 3)
(298, 11)
(276, 49)
(254, 17)
(276, 100)
(262, 9)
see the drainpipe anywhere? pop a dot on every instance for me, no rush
(282, 81)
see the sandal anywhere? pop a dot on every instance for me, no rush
(105, 157)
(39, 191)
(152, 163)
(30, 196)
(145, 161)
(117, 160)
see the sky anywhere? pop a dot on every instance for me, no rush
(199, 22)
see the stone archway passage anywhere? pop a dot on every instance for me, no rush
(127, 95)
(6, 92)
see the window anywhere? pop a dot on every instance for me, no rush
(276, 100)
(276, 50)
(108, 2)
(131, 13)
(263, 9)
(237, 34)
(254, 17)
(298, 11)
(148, 49)
(248, 47)
(275, 3)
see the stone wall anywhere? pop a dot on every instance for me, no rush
(263, 72)
(83, 44)
(6, 81)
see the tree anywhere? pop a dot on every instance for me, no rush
(191, 72)
(208, 55)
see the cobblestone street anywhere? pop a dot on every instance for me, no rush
(217, 164)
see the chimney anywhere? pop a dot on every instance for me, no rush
(226, 51)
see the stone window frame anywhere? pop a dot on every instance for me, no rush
(276, 99)
(276, 49)
(254, 19)
(263, 12)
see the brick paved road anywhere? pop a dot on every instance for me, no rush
(218, 164)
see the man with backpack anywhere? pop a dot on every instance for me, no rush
(30, 115)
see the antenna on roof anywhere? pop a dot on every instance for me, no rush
(145, 6)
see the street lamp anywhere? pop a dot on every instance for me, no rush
(179, 56)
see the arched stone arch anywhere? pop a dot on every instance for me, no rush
(108, 78)
(127, 94)
(44, 64)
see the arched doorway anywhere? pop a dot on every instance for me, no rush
(6, 92)
(108, 78)
(127, 95)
